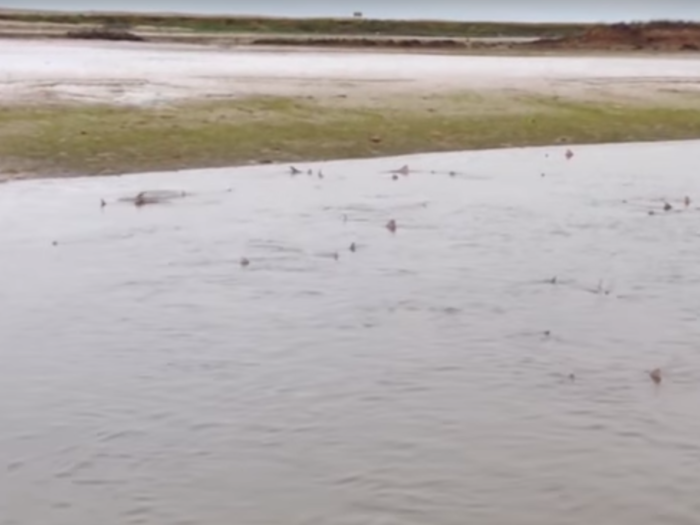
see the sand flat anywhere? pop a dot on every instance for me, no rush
(129, 73)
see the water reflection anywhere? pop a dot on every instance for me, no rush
(434, 375)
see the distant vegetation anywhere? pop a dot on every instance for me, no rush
(305, 26)
(107, 31)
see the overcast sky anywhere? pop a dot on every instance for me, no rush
(530, 10)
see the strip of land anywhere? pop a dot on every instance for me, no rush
(357, 32)
(155, 24)
(87, 107)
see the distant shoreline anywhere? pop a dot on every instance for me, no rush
(265, 31)
(359, 32)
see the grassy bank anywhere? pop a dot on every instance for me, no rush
(71, 140)
(299, 26)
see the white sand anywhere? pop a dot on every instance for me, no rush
(128, 73)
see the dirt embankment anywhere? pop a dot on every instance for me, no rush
(364, 42)
(652, 36)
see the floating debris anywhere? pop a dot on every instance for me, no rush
(394, 177)
(655, 375)
(597, 290)
(142, 200)
(403, 170)
(154, 197)
(391, 226)
(601, 289)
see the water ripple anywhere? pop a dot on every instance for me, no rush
(486, 362)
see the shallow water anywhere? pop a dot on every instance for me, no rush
(148, 378)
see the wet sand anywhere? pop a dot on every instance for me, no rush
(424, 378)
(146, 74)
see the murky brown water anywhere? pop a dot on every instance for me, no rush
(148, 378)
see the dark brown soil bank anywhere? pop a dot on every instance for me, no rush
(401, 43)
(651, 36)
(105, 34)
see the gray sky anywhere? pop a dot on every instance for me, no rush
(529, 10)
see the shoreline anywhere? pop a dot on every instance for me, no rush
(355, 32)
(101, 108)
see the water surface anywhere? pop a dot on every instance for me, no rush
(424, 378)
